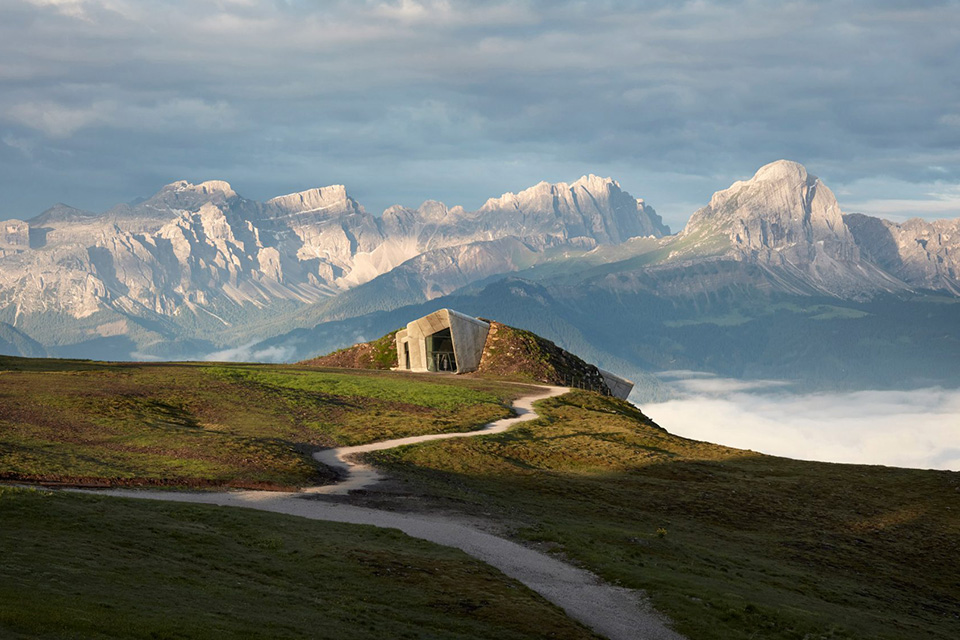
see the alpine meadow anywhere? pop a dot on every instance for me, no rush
(469, 319)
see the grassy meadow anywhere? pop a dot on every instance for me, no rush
(729, 543)
(80, 566)
(200, 425)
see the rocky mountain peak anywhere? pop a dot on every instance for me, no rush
(61, 213)
(183, 195)
(783, 170)
(785, 219)
(14, 234)
(591, 207)
(595, 183)
(332, 199)
(207, 188)
(924, 254)
(781, 205)
(432, 210)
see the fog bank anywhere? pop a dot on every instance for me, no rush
(918, 428)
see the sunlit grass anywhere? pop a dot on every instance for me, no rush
(214, 425)
(729, 543)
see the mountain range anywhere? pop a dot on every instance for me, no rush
(199, 271)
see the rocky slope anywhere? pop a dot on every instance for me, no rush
(788, 222)
(201, 261)
(923, 254)
(380, 354)
(509, 353)
(782, 231)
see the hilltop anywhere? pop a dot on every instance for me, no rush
(508, 354)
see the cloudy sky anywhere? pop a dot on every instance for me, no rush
(102, 101)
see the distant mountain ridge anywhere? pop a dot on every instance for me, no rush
(920, 253)
(768, 280)
(197, 269)
(198, 260)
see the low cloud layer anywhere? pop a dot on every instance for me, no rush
(917, 429)
(247, 353)
(401, 100)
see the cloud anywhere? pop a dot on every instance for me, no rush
(951, 119)
(684, 374)
(413, 11)
(61, 121)
(275, 354)
(73, 8)
(55, 120)
(246, 353)
(899, 209)
(144, 357)
(82, 9)
(413, 99)
(918, 428)
(243, 353)
(938, 199)
(694, 382)
(25, 146)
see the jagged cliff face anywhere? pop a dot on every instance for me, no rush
(790, 223)
(592, 208)
(199, 251)
(923, 254)
(782, 213)
(14, 235)
(588, 212)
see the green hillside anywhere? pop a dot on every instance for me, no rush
(508, 354)
(207, 425)
(96, 567)
(729, 543)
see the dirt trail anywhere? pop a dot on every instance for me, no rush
(615, 612)
(360, 475)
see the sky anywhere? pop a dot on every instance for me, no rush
(917, 428)
(104, 101)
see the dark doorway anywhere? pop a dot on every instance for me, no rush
(406, 355)
(440, 355)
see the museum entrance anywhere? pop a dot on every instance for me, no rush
(440, 356)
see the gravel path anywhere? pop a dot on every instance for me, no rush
(615, 612)
(360, 476)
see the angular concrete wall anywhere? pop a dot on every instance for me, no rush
(404, 350)
(619, 387)
(468, 335)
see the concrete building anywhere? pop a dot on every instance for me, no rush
(619, 387)
(445, 340)
(449, 341)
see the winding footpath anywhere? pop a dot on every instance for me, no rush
(615, 612)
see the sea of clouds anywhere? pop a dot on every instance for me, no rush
(918, 428)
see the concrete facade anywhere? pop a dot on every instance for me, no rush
(444, 341)
(619, 387)
(447, 341)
